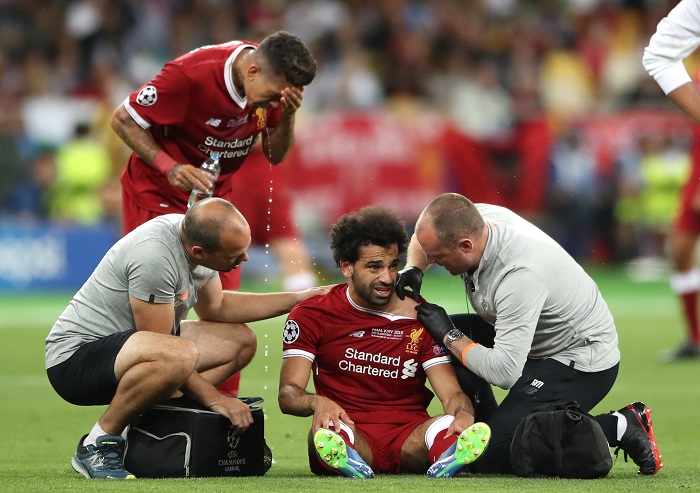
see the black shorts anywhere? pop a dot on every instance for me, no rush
(87, 377)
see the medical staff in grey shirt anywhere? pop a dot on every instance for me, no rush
(124, 341)
(541, 330)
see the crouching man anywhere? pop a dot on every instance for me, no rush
(124, 339)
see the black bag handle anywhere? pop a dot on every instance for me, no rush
(552, 430)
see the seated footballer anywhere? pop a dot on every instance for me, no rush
(370, 359)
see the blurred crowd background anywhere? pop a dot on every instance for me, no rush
(543, 105)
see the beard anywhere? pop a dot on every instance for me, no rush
(366, 292)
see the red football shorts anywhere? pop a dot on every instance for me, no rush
(385, 433)
(261, 193)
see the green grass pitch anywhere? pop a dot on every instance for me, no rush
(39, 431)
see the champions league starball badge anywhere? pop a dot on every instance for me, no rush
(290, 333)
(147, 96)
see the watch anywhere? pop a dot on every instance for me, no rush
(452, 336)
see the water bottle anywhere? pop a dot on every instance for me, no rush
(211, 166)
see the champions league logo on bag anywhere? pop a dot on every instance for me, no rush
(233, 439)
(232, 462)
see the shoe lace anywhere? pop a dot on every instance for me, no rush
(112, 457)
(617, 451)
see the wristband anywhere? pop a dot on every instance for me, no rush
(163, 163)
(464, 352)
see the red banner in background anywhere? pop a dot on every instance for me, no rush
(343, 161)
(512, 172)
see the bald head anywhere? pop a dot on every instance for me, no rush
(211, 224)
(451, 216)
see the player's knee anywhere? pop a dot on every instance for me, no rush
(247, 343)
(183, 359)
(250, 340)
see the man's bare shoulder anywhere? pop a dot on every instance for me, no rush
(403, 308)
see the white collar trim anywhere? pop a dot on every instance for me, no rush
(379, 313)
(228, 76)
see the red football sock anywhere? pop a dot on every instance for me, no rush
(230, 386)
(440, 444)
(690, 313)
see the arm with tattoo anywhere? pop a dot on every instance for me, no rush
(180, 175)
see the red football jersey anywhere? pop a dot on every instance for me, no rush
(192, 109)
(364, 360)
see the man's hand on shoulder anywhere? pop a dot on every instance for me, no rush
(435, 319)
(311, 292)
(410, 277)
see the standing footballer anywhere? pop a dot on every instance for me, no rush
(217, 98)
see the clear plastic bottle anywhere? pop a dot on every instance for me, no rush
(211, 166)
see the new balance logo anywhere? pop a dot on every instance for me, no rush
(214, 122)
(533, 387)
(357, 333)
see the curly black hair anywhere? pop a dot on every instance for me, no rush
(289, 57)
(370, 225)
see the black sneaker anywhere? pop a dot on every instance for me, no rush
(687, 350)
(104, 460)
(638, 440)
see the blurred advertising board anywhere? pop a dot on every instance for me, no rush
(50, 257)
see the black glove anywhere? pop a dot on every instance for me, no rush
(410, 277)
(435, 319)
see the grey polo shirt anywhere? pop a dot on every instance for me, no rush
(150, 264)
(540, 301)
